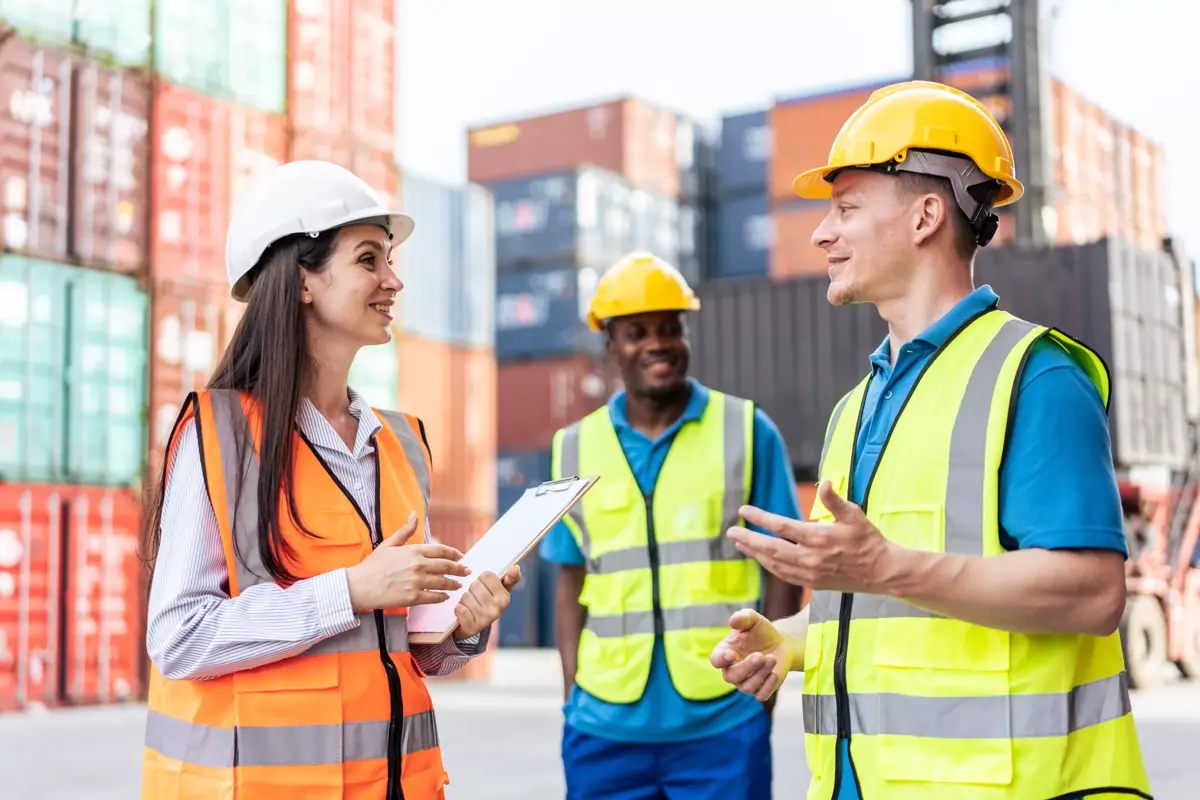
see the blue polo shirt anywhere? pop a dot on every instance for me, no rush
(662, 715)
(1057, 487)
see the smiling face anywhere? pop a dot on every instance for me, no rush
(870, 237)
(351, 301)
(652, 352)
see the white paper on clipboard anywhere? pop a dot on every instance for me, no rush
(513, 536)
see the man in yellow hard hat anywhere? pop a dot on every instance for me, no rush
(967, 548)
(648, 579)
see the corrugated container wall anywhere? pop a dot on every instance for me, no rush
(71, 610)
(453, 390)
(118, 29)
(794, 253)
(744, 156)
(448, 265)
(106, 127)
(783, 345)
(542, 313)
(590, 218)
(72, 372)
(629, 137)
(258, 142)
(48, 20)
(745, 236)
(191, 324)
(190, 190)
(257, 43)
(536, 398)
(191, 44)
(803, 130)
(111, 171)
(373, 73)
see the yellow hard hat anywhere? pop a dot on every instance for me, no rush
(926, 116)
(638, 283)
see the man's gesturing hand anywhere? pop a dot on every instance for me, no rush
(849, 555)
(396, 575)
(754, 657)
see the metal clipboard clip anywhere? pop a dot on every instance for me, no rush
(555, 486)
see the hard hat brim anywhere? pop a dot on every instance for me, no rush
(400, 225)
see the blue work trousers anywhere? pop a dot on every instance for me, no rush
(734, 765)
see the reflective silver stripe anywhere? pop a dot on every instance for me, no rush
(1016, 716)
(365, 637)
(966, 475)
(833, 421)
(568, 459)
(823, 606)
(414, 448)
(284, 746)
(737, 467)
(715, 615)
(720, 548)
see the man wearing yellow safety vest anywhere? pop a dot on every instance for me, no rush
(966, 549)
(648, 579)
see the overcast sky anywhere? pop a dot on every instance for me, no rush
(468, 61)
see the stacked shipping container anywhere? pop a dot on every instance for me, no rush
(574, 192)
(744, 230)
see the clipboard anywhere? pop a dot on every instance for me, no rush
(509, 540)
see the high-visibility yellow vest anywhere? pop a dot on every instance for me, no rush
(679, 576)
(936, 707)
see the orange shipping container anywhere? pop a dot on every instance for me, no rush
(803, 132)
(536, 398)
(1149, 220)
(258, 142)
(453, 390)
(376, 167)
(342, 68)
(794, 253)
(191, 324)
(82, 592)
(628, 136)
(190, 191)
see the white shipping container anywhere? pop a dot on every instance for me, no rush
(449, 264)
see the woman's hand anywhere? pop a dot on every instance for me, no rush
(484, 602)
(396, 575)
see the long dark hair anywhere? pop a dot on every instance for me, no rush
(267, 357)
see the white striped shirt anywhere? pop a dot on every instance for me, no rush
(195, 630)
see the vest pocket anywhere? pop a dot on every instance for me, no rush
(920, 526)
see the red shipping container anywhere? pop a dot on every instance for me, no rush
(69, 575)
(190, 190)
(111, 171)
(376, 167)
(36, 130)
(372, 90)
(536, 398)
(803, 132)
(258, 142)
(191, 325)
(628, 136)
(343, 70)
(30, 587)
(102, 607)
(794, 253)
(453, 390)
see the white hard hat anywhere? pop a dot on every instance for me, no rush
(300, 197)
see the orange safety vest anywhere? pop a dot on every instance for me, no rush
(351, 716)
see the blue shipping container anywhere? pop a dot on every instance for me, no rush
(515, 472)
(696, 156)
(583, 217)
(449, 264)
(547, 587)
(744, 155)
(542, 313)
(745, 236)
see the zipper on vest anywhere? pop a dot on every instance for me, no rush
(655, 598)
(395, 740)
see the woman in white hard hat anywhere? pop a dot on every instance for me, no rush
(288, 533)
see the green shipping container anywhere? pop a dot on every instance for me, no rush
(234, 49)
(49, 21)
(191, 44)
(106, 378)
(258, 54)
(117, 28)
(375, 375)
(33, 340)
(73, 345)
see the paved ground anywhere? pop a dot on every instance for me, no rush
(501, 742)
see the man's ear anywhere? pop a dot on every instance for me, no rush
(932, 214)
